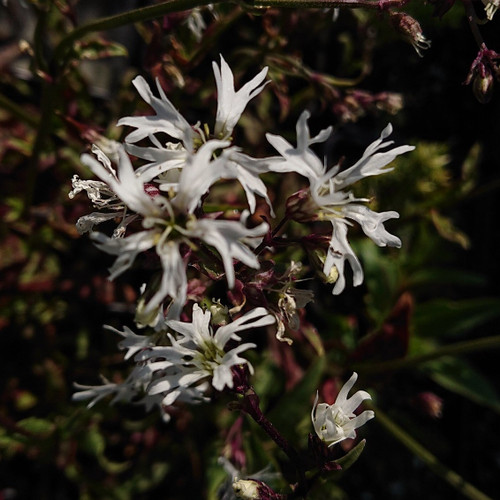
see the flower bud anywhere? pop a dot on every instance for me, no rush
(247, 489)
(252, 489)
(429, 404)
(318, 257)
(482, 87)
(300, 206)
(220, 313)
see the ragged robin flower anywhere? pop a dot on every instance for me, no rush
(336, 422)
(329, 198)
(167, 226)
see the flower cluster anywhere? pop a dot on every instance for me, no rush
(159, 211)
(327, 197)
(180, 370)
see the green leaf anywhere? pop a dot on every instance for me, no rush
(325, 489)
(25, 400)
(98, 48)
(447, 318)
(37, 426)
(314, 338)
(438, 276)
(295, 404)
(458, 376)
(112, 467)
(93, 443)
(352, 456)
(215, 477)
(444, 226)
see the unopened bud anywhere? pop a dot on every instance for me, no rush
(410, 28)
(220, 313)
(246, 489)
(151, 189)
(482, 86)
(429, 404)
(301, 207)
(252, 489)
(318, 257)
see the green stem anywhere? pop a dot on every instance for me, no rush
(473, 22)
(250, 405)
(39, 37)
(449, 350)
(329, 4)
(450, 476)
(58, 60)
(133, 16)
(17, 111)
(49, 97)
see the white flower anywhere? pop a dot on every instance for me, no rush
(167, 119)
(133, 390)
(197, 354)
(178, 159)
(231, 104)
(131, 342)
(490, 7)
(197, 175)
(231, 239)
(94, 393)
(333, 203)
(336, 422)
(124, 183)
(161, 231)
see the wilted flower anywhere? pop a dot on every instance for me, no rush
(330, 199)
(490, 7)
(410, 28)
(290, 300)
(336, 422)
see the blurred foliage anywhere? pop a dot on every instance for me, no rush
(440, 289)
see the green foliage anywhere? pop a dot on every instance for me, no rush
(55, 295)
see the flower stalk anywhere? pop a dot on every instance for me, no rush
(250, 405)
(122, 19)
(449, 475)
(458, 348)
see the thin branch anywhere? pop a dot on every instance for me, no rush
(18, 112)
(122, 19)
(473, 22)
(441, 470)
(465, 347)
(329, 4)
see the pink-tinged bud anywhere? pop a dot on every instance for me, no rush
(411, 30)
(482, 87)
(482, 72)
(151, 189)
(253, 489)
(429, 404)
(300, 207)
